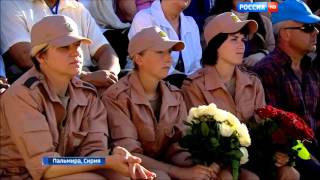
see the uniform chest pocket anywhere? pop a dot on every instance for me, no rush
(78, 137)
(173, 133)
(246, 109)
(147, 134)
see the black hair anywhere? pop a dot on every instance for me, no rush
(36, 63)
(210, 53)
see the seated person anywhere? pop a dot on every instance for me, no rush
(289, 80)
(100, 63)
(168, 15)
(3, 80)
(143, 4)
(145, 114)
(115, 30)
(49, 112)
(223, 82)
(261, 42)
(199, 10)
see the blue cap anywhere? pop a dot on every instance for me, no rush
(295, 10)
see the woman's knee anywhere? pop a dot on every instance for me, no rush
(111, 175)
(288, 173)
(80, 176)
(247, 175)
(225, 174)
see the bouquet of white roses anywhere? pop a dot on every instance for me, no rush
(215, 135)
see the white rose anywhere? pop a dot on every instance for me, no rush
(193, 112)
(220, 115)
(244, 141)
(233, 120)
(225, 130)
(202, 110)
(189, 118)
(211, 109)
(244, 137)
(245, 158)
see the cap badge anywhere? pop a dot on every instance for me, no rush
(68, 26)
(235, 18)
(163, 34)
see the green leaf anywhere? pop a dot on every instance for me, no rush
(214, 142)
(235, 154)
(204, 129)
(235, 169)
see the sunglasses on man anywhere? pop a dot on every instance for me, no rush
(307, 28)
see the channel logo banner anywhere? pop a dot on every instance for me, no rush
(73, 161)
(257, 7)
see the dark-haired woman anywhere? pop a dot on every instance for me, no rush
(223, 82)
(261, 42)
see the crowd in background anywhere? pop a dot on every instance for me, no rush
(136, 68)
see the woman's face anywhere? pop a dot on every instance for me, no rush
(179, 4)
(63, 60)
(232, 49)
(154, 63)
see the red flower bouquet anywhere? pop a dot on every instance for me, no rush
(290, 125)
(280, 131)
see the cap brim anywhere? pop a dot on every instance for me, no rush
(165, 45)
(67, 40)
(310, 19)
(252, 25)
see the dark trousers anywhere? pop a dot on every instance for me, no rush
(308, 169)
(118, 39)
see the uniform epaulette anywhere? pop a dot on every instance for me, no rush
(195, 75)
(87, 85)
(31, 81)
(171, 87)
(246, 70)
(117, 89)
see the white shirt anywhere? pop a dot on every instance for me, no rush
(103, 12)
(189, 31)
(18, 16)
(2, 69)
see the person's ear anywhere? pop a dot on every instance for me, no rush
(138, 59)
(284, 34)
(41, 58)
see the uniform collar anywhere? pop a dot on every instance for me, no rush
(157, 13)
(212, 80)
(74, 89)
(63, 3)
(138, 96)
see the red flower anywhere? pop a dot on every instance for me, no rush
(290, 124)
(267, 112)
(279, 137)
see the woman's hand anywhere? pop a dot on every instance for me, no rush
(139, 172)
(216, 169)
(281, 159)
(124, 163)
(3, 85)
